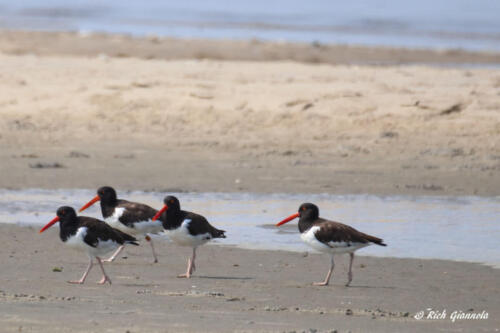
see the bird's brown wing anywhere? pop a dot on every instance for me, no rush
(135, 212)
(331, 231)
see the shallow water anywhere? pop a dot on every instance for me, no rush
(453, 228)
(425, 23)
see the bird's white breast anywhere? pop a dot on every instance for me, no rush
(140, 227)
(182, 236)
(114, 220)
(77, 241)
(309, 237)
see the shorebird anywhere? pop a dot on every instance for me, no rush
(130, 217)
(330, 237)
(186, 228)
(88, 234)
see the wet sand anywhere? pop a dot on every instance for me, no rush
(233, 290)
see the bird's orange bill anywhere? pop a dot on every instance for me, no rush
(54, 220)
(90, 203)
(288, 219)
(160, 212)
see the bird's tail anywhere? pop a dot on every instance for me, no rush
(217, 233)
(375, 240)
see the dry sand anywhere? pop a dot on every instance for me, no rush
(262, 126)
(84, 111)
(233, 290)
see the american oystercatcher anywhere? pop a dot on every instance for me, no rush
(330, 237)
(186, 228)
(130, 217)
(89, 234)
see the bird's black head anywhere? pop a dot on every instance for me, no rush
(172, 203)
(66, 213)
(171, 208)
(308, 211)
(66, 216)
(107, 194)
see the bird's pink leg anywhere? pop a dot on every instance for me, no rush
(82, 280)
(188, 271)
(105, 277)
(191, 267)
(327, 279)
(113, 257)
(152, 248)
(349, 275)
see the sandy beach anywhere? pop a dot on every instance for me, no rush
(82, 111)
(236, 125)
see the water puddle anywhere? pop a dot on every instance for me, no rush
(452, 228)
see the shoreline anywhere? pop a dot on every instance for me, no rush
(35, 226)
(250, 290)
(251, 217)
(247, 247)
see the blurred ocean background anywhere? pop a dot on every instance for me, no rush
(436, 24)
